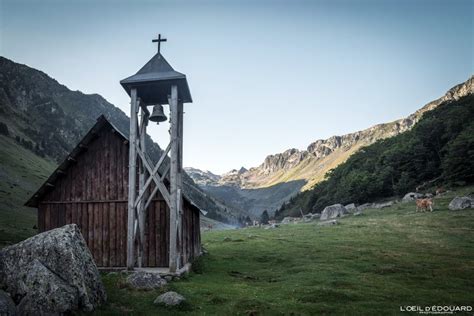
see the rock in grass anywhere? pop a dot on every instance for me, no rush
(461, 203)
(412, 196)
(169, 299)
(288, 220)
(351, 208)
(7, 306)
(52, 272)
(142, 280)
(333, 211)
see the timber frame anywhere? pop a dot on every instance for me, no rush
(138, 200)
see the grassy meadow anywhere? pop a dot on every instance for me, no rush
(367, 265)
(21, 174)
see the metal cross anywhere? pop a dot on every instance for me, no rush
(159, 40)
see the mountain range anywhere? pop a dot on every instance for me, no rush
(281, 176)
(41, 120)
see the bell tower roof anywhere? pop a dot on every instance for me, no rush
(154, 80)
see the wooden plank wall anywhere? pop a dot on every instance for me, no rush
(190, 234)
(93, 194)
(156, 252)
(104, 227)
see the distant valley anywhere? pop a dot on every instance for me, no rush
(281, 176)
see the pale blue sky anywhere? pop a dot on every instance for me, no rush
(264, 76)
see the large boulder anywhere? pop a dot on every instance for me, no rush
(169, 299)
(333, 211)
(351, 208)
(412, 196)
(461, 203)
(52, 272)
(46, 292)
(142, 280)
(7, 306)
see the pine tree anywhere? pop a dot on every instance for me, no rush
(264, 218)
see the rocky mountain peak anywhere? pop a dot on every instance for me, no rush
(282, 161)
(242, 170)
(202, 177)
(291, 160)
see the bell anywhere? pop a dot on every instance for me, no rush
(158, 115)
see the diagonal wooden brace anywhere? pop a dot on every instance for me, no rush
(150, 178)
(158, 182)
(150, 198)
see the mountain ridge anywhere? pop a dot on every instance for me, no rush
(320, 156)
(266, 174)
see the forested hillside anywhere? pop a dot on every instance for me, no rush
(439, 150)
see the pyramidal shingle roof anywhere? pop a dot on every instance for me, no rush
(154, 80)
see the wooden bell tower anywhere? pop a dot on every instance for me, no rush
(155, 84)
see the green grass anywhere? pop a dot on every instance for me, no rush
(367, 265)
(21, 173)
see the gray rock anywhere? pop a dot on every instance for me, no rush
(333, 211)
(412, 196)
(328, 223)
(46, 292)
(358, 213)
(271, 226)
(142, 280)
(7, 306)
(461, 203)
(311, 217)
(168, 278)
(365, 206)
(52, 272)
(169, 299)
(288, 220)
(351, 208)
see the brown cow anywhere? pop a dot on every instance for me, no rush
(424, 204)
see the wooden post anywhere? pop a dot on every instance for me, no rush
(180, 183)
(132, 172)
(142, 176)
(173, 102)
